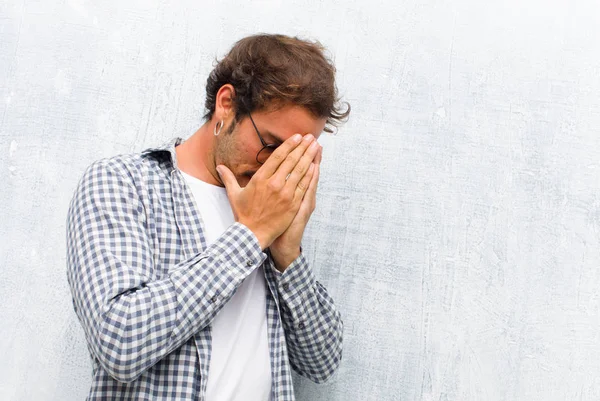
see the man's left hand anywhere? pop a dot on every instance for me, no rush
(286, 248)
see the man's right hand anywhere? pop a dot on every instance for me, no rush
(268, 204)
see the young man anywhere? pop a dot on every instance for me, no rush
(184, 261)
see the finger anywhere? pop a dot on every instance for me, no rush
(308, 158)
(304, 183)
(296, 164)
(279, 155)
(307, 205)
(320, 155)
(228, 179)
(311, 193)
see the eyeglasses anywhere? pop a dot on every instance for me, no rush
(268, 148)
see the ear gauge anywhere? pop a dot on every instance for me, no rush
(219, 124)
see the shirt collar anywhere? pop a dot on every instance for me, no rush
(167, 147)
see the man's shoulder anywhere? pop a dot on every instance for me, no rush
(134, 166)
(127, 166)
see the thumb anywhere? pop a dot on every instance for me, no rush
(228, 179)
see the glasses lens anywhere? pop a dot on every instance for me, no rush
(264, 154)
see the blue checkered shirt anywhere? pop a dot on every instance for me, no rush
(146, 287)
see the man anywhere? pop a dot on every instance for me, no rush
(184, 261)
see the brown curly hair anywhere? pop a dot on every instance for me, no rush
(271, 70)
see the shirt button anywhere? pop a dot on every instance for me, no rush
(301, 325)
(249, 263)
(214, 299)
(286, 287)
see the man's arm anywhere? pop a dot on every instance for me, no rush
(313, 325)
(131, 318)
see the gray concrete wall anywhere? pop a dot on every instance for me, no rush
(458, 225)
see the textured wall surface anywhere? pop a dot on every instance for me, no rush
(458, 225)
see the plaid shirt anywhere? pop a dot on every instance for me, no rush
(146, 287)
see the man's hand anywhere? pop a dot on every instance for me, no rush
(270, 201)
(286, 248)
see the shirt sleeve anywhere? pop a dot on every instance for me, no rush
(313, 326)
(133, 311)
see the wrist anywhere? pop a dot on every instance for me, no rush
(263, 239)
(284, 258)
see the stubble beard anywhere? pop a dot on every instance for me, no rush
(226, 150)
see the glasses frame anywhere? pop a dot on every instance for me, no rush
(271, 146)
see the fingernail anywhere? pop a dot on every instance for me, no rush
(296, 137)
(218, 170)
(308, 137)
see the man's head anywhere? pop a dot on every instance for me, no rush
(267, 88)
(267, 71)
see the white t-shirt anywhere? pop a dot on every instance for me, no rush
(240, 364)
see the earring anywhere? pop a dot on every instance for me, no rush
(216, 130)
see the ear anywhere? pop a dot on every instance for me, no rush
(224, 107)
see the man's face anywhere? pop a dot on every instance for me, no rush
(237, 148)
